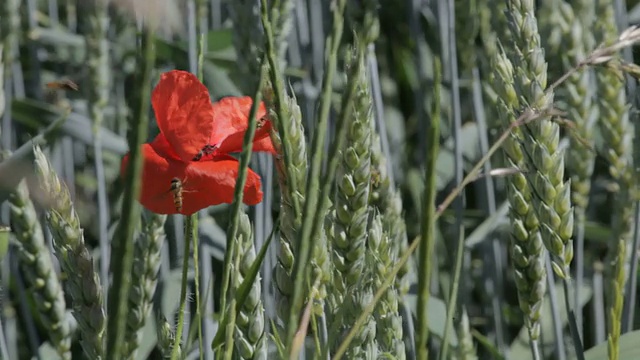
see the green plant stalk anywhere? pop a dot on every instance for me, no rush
(193, 237)
(193, 221)
(472, 176)
(245, 157)
(310, 206)
(453, 297)
(122, 245)
(183, 285)
(428, 220)
(233, 308)
(231, 323)
(98, 67)
(276, 82)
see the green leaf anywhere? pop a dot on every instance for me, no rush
(629, 348)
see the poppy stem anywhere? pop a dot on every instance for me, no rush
(192, 220)
(183, 286)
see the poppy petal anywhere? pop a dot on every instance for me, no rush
(204, 184)
(230, 122)
(261, 141)
(161, 145)
(215, 182)
(183, 111)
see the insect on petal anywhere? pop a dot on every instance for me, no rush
(157, 173)
(204, 184)
(183, 111)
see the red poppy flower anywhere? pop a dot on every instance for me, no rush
(191, 128)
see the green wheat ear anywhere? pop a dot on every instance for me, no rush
(250, 338)
(388, 201)
(617, 132)
(578, 97)
(352, 199)
(381, 257)
(39, 274)
(526, 248)
(466, 349)
(290, 221)
(146, 264)
(544, 160)
(83, 284)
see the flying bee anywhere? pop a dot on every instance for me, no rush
(64, 84)
(176, 189)
(206, 150)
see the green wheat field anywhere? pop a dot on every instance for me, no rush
(319, 179)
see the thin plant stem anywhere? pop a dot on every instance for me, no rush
(122, 244)
(312, 191)
(632, 284)
(245, 157)
(573, 327)
(555, 316)
(183, 287)
(535, 348)
(453, 297)
(192, 234)
(428, 221)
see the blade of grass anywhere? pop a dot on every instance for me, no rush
(428, 220)
(245, 157)
(189, 230)
(122, 244)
